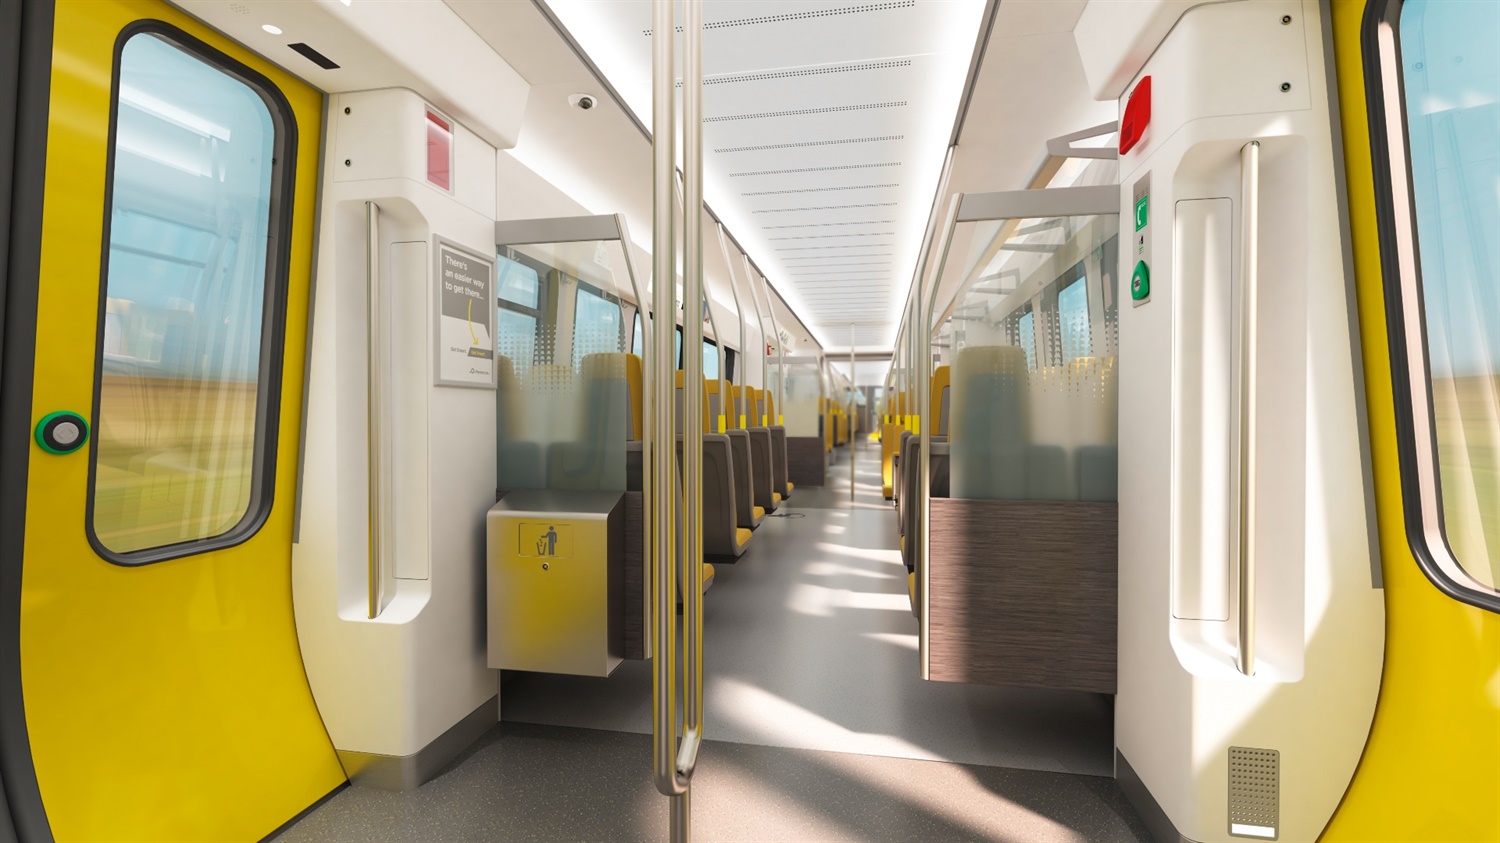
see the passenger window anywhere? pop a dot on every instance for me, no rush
(1073, 316)
(194, 280)
(710, 360)
(1450, 72)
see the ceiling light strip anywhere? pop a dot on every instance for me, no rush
(829, 109)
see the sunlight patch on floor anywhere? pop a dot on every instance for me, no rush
(780, 722)
(900, 639)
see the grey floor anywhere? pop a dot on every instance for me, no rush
(819, 726)
(810, 643)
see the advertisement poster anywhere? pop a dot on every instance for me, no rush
(466, 317)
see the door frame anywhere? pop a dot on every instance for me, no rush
(23, 150)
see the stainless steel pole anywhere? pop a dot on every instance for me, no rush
(662, 457)
(853, 434)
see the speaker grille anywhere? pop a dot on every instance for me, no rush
(1254, 792)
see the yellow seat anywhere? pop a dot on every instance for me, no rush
(760, 513)
(741, 536)
(776, 496)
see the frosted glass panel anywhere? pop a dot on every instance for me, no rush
(1032, 338)
(565, 414)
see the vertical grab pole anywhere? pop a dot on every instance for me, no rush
(760, 320)
(692, 415)
(663, 468)
(374, 375)
(853, 440)
(1245, 433)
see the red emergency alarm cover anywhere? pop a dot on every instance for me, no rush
(1137, 116)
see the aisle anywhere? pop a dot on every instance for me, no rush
(810, 644)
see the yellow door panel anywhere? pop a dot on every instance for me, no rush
(165, 701)
(1431, 769)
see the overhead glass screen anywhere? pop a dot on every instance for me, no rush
(1451, 72)
(183, 420)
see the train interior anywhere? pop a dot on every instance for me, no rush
(970, 420)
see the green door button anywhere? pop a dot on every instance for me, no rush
(1140, 282)
(61, 432)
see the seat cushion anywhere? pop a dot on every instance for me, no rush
(741, 537)
(760, 512)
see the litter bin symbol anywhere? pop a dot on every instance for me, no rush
(547, 544)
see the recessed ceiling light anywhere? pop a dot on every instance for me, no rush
(271, 28)
(346, 2)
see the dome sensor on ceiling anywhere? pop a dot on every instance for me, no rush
(582, 101)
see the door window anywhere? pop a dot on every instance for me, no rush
(193, 279)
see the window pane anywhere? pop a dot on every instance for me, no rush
(596, 325)
(517, 338)
(1073, 313)
(1452, 78)
(185, 291)
(519, 283)
(1028, 339)
(635, 345)
(710, 360)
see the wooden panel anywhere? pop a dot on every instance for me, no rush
(1024, 593)
(635, 576)
(806, 460)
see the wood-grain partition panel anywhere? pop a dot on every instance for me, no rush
(1024, 593)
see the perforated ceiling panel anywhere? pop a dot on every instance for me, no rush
(825, 128)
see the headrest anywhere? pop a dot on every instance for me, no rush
(939, 383)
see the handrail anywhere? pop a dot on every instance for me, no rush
(760, 323)
(692, 416)
(374, 376)
(923, 401)
(1245, 429)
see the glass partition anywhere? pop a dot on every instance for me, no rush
(569, 389)
(803, 389)
(1030, 342)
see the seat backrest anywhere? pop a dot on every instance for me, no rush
(707, 423)
(941, 398)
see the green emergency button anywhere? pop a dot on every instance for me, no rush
(1140, 282)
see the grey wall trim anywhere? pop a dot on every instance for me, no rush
(22, 269)
(557, 230)
(10, 89)
(1145, 804)
(398, 773)
(1351, 297)
(981, 46)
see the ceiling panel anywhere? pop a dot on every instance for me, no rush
(825, 128)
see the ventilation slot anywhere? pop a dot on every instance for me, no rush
(803, 72)
(819, 189)
(832, 109)
(814, 169)
(826, 224)
(239, 8)
(826, 208)
(314, 56)
(810, 143)
(833, 236)
(796, 16)
(830, 257)
(1254, 792)
(820, 248)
